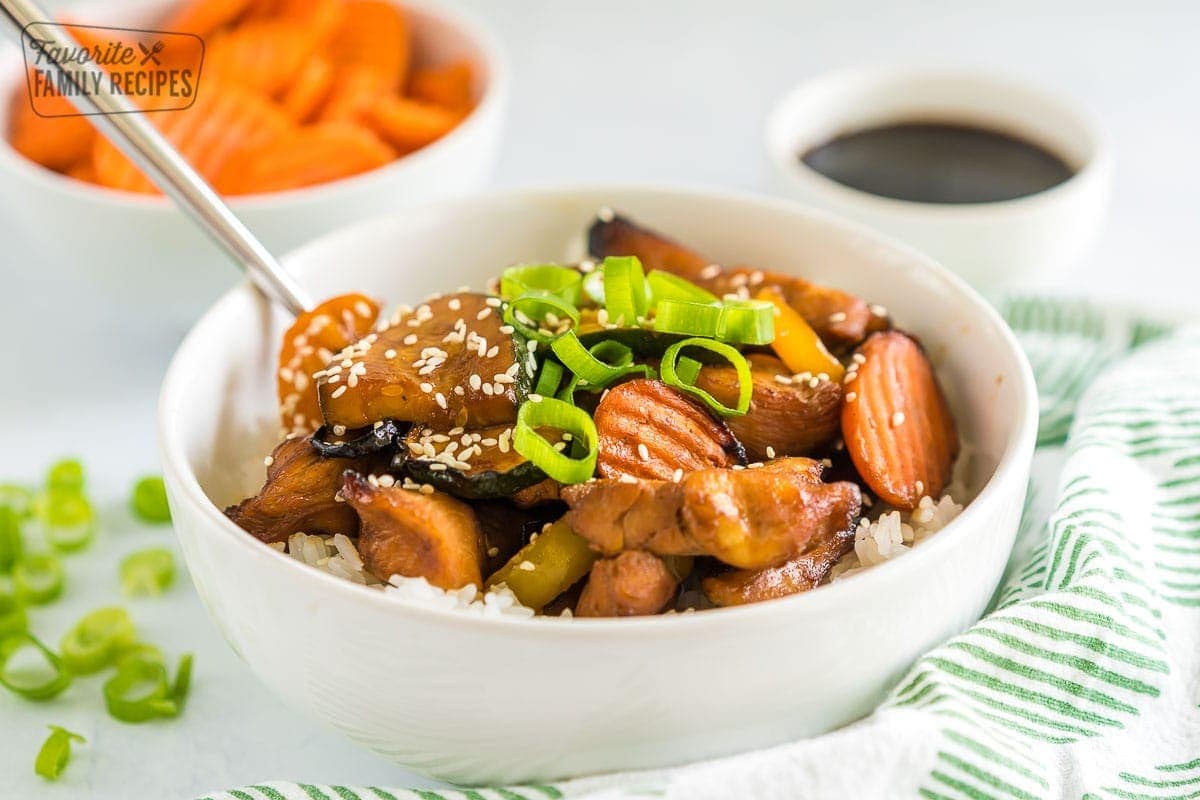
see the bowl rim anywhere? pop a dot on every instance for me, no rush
(491, 103)
(1013, 465)
(782, 154)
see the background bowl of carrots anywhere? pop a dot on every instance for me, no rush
(307, 115)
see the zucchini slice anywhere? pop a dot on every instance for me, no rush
(451, 361)
(478, 463)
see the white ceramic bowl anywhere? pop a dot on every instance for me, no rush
(139, 251)
(473, 699)
(992, 245)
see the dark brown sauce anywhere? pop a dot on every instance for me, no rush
(933, 162)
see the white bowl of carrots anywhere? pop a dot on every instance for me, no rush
(308, 115)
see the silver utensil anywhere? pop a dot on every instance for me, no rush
(126, 127)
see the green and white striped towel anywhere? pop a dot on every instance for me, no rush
(1083, 681)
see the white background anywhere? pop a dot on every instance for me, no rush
(613, 90)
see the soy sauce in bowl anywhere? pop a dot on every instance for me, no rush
(937, 162)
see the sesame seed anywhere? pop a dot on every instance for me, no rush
(389, 353)
(437, 466)
(339, 430)
(440, 399)
(484, 313)
(678, 475)
(494, 302)
(837, 316)
(493, 551)
(507, 329)
(426, 488)
(493, 352)
(827, 463)
(897, 419)
(628, 479)
(770, 452)
(268, 461)
(527, 566)
(455, 304)
(426, 387)
(643, 451)
(851, 397)
(338, 392)
(411, 339)
(605, 214)
(535, 398)
(784, 379)
(878, 310)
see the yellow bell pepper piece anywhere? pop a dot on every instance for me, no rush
(796, 343)
(546, 567)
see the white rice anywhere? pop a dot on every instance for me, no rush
(338, 556)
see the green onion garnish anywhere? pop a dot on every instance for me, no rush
(687, 369)
(69, 520)
(624, 290)
(665, 286)
(140, 690)
(549, 378)
(12, 615)
(527, 313)
(11, 543)
(740, 321)
(147, 572)
(65, 476)
(671, 376)
(55, 752)
(41, 681)
(587, 366)
(562, 282)
(38, 578)
(538, 412)
(18, 498)
(98, 640)
(149, 500)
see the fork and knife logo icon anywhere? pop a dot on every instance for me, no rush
(151, 53)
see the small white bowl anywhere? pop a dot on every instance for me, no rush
(474, 699)
(141, 252)
(990, 244)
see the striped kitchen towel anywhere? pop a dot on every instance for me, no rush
(1083, 680)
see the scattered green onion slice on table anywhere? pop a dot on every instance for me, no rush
(147, 572)
(624, 290)
(19, 498)
(538, 412)
(149, 500)
(665, 286)
(38, 578)
(69, 520)
(183, 681)
(13, 618)
(671, 376)
(141, 690)
(562, 282)
(65, 476)
(586, 364)
(527, 312)
(740, 321)
(41, 682)
(55, 752)
(549, 379)
(97, 640)
(11, 543)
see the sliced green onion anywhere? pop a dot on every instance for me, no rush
(665, 286)
(55, 752)
(41, 681)
(624, 290)
(38, 578)
(612, 352)
(687, 370)
(149, 500)
(69, 520)
(19, 498)
(671, 377)
(140, 650)
(147, 572)
(748, 322)
(13, 618)
(587, 367)
(65, 476)
(538, 412)
(527, 313)
(593, 286)
(98, 640)
(11, 543)
(562, 282)
(549, 378)
(740, 321)
(141, 689)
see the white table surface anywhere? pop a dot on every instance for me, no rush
(603, 90)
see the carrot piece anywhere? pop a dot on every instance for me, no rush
(373, 35)
(310, 88)
(54, 142)
(448, 86)
(353, 92)
(202, 17)
(410, 124)
(303, 157)
(263, 55)
(223, 120)
(308, 345)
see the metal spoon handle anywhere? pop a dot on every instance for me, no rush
(125, 126)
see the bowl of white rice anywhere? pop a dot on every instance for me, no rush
(472, 687)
